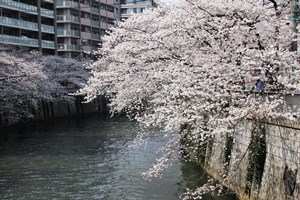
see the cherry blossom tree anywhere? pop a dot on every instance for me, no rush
(67, 75)
(23, 84)
(29, 78)
(189, 64)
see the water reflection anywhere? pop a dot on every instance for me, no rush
(86, 158)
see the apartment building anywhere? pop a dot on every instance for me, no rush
(128, 7)
(69, 28)
(81, 24)
(29, 23)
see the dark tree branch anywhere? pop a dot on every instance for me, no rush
(274, 3)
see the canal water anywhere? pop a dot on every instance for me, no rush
(86, 159)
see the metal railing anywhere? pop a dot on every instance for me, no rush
(18, 23)
(95, 36)
(25, 24)
(71, 47)
(95, 10)
(69, 18)
(47, 28)
(145, 2)
(48, 44)
(50, 1)
(18, 5)
(26, 41)
(25, 7)
(19, 40)
(47, 12)
(69, 4)
(73, 33)
(95, 23)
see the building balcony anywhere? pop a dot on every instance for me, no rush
(95, 36)
(18, 23)
(68, 33)
(46, 12)
(86, 35)
(110, 14)
(23, 41)
(95, 10)
(103, 25)
(67, 18)
(95, 23)
(145, 3)
(26, 41)
(126, 15)
(18, 6)
(85, 21)
(67, 4)
(107, 13)
(102, 12)
(48, 44)
(49, 1)
(110, 2)
(47, 28)
(68, 47)
(25, 7)
(87, 48)
(85, 8)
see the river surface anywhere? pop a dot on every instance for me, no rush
(86, 159)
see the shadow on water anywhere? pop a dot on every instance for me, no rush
(195, 176)
(57, 137)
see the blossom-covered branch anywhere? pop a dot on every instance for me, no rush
(29, 78)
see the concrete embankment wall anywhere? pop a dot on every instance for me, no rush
(50, 110)
(260, 160)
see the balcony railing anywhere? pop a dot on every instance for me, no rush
(19, 40)
(74, 33)
(47, 28)
(95, 36)
(18, 5)
(25, 24)
(18, 23)
(95, 10)
(95, 23)
(69, 4)
(48, 44)
(47, 12)
(71, 47)
(26, 41)
(67, 18)
(50, 1)
(145, 2)
(25, 7)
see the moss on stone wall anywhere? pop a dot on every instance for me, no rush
(256, 158)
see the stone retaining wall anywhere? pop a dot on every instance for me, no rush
(49, 110)
(264, 169)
